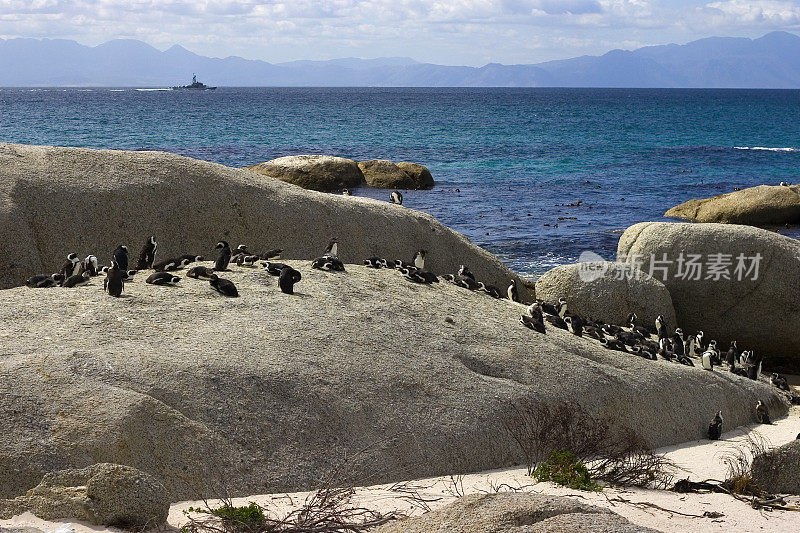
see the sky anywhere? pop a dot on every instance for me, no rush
(451, 32)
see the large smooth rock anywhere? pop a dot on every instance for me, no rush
(54, 201)
(755, 206)
(269, 392)
(521, 512)
(608, 291)
(384, 174)
(761, 314)
(315, 172)
(103, 494)
(778, 470)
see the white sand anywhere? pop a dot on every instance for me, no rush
(700, 459)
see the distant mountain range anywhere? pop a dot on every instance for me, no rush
(772, 61)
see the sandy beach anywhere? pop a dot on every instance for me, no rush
(680, 513)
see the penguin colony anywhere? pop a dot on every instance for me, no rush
(76, 272)
(631, 338)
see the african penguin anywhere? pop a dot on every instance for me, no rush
(223, 286)
(715, 427)
(661, 327)
(779, 381)
(464, 271)
(224, 257)
(76, 280)
(166, 265)
(491, 290)
(90, 265)
(396, 197)
(419, 259)
(41, 281)
(574, 325)
(333, 248)
(287, 278)
(273, 269)
(732, 355)
(512, 292)
(274, 253)
(762, 413)
(148, 254)
(373, 262)
(113, 284)
(191, 258)
(71, 266)
(533, 323)
(346, 192)
(200, 272)
(162, 278)
(120, 256)
(708, 361)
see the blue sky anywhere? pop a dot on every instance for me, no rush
(463, 32)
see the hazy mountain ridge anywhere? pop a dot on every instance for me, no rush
(772, 61)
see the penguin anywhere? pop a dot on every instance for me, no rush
(715, 427)
(712, 348)
(388, 263)
(548, 308)
(574, 325)
(121, 257)
(52, 280)
(466, 282)
(329, 263)
(167, 265)
(162, 278)
(464, 271)
(56, 280)
(754, 366)
(200, 272)
(77, 280)
(274, 253)
(248, 261)
(148, 254)
(762, 413)
(224, 257)
(419, 259)
(784, 184)
(661, 327)
(273, 269)
(332, 250)
(678, 343)
(562, 307)
(287, 278)
(685, 361)
(701, 341)
(512, 292)
(223, 286)
(556, 321)
(345, 192)
(532, 323)
(779, 381)
(114, 284)
(396, 197)
(732, 355)
(708, 361)
(613, 344)
(90, 265)
(71, 266)
(191, 258)
(373, 262)
(491, 290)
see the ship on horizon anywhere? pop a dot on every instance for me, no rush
(194, 86)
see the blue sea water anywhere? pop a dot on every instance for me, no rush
(536, 176)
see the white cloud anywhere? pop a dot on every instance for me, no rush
(446, 31)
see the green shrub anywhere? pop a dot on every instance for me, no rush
(235, 519)
(563, 468)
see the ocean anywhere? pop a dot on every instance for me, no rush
(535, 176)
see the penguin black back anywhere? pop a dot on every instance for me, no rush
(223, 286)
(121, 257)
(287, 278)
(113, 283)
(224, 257)
(148, 254)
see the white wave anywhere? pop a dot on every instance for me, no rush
(767, 149)
(116, 90)
(153, 89)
